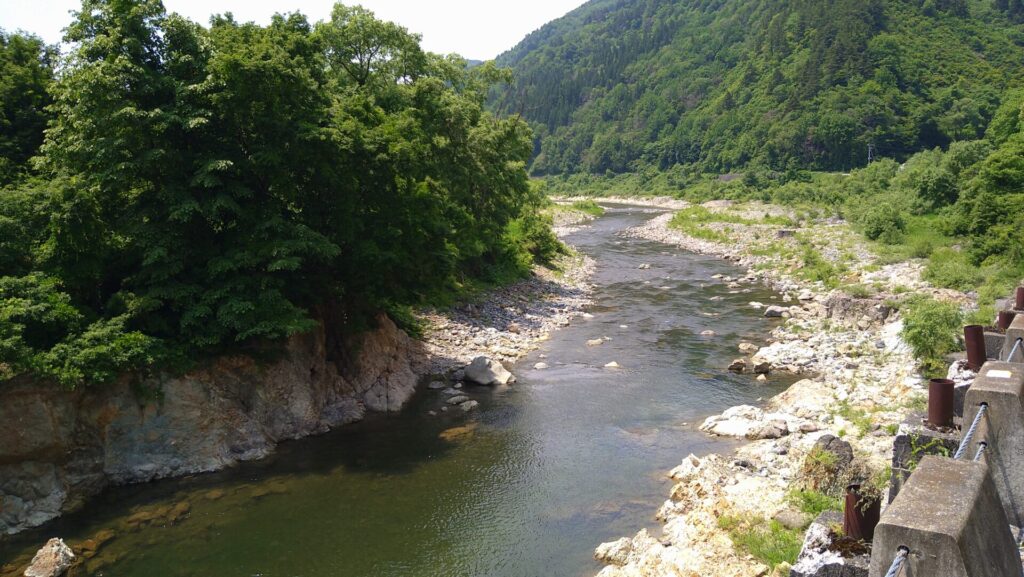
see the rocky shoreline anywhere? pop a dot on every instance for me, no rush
(860, 384)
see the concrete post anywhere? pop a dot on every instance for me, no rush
(949, 517)
(1016, 331)
(1001, 386)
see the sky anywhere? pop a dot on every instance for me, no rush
(475, 29)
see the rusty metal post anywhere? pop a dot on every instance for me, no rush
(940, 402)
(860, 515)
(1005, 319)
(1020, 298)
(974, 336)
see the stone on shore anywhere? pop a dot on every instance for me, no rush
(486, 371)
(749, 348)
(52, 560)
(776, 312)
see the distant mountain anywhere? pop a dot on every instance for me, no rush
(621, 84)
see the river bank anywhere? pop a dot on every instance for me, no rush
(58, 448)
(525, 482)
(860, 384)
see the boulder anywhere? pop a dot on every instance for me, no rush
(469, 405)
(775, 312)
(792, 519)
(485, 371)
(762, 368)
(749, 348)
(738, 366)
(52, 560)
(458, 400)
(595, 342)
(775, 429)
(540, 366)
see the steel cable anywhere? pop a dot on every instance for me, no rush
(897, 563)
(965, 441)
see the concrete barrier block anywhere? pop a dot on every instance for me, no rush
(949, 516)
(1016, 331)
(1001, 386)
(994, 344)
(913, 442)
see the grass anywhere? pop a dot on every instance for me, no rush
(857, 416)
(691, 221)
(813, 502)
(817, 268)
(767, 541)
(588, 206)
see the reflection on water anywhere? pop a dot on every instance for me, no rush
(525, 486)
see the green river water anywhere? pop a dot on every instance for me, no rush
(526, 486)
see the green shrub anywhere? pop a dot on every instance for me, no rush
(884, 222)
(948, 268)
(931, 328)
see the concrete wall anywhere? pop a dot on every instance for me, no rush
(949, 517)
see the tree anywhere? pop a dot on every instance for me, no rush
(26, 72)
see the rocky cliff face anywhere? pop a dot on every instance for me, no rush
(58, 447)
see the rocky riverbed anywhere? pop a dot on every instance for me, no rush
(860, 384)
(508, 322)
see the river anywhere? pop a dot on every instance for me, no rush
(525, 486)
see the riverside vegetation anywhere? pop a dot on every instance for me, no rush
(173, 191)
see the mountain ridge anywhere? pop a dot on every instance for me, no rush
(722, 84)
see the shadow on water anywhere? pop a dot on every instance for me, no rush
(527, 485)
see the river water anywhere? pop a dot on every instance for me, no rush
(525, 486)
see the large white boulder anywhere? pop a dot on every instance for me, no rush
(52, 560)
(486, 371)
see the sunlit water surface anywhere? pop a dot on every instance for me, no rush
(525, 486)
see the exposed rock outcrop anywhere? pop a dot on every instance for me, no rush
(51, 561)
(59, 447)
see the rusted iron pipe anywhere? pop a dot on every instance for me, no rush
(1020, 298)
(860, 514)
(974, 336)
(1005, 319)
(940, 402)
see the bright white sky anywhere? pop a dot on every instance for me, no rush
(476, 29)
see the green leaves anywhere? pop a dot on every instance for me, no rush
(622, 86)
(214, 188)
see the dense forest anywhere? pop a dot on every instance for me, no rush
(618, 86)
(172, 190)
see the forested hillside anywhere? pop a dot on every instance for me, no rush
(201, 188)
(622, 85)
